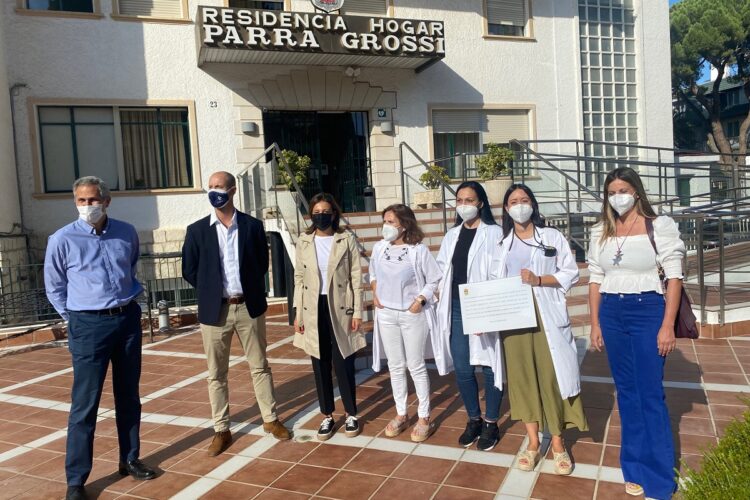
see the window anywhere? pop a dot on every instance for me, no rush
(129, 148)
(161, 9)
(378, 7)
(460, 135)
(609, 83)
(255, 4)
(732, 129)
(507, 17)
(62, 5)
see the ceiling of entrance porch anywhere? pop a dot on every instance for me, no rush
(223, 55)
(318, 89)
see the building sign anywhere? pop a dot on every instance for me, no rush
(328, 5)
(318, 33)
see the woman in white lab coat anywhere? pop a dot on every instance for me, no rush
(541, 363)
(465, 258)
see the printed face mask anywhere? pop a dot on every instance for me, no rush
(218, 197)
(91, 214)
(520, 213)
(622, 202)
(390, 233)
(322, 221)
(467, 212)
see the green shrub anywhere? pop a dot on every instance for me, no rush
(299, 165)
(494, 162)
(725, 467)
(430, 180)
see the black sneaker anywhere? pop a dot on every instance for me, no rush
(325, 431)
(490, 436)
(473, 429)
(352, 427)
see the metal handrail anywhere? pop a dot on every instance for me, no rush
(443, 184)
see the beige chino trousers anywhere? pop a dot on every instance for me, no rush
(217, 342)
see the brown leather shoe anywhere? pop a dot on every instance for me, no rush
(277, 429)
(220, 443)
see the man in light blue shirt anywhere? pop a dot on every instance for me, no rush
(89, 276)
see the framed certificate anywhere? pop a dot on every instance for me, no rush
(497, 306)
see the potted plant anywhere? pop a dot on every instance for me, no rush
(430, 179)
(298, 165)
(493, 169)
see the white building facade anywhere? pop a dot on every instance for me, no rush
(155, 96)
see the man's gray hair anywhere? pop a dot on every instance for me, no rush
(91, 180)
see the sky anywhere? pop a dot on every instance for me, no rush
(672, 2)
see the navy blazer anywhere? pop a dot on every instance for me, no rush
(201, 266)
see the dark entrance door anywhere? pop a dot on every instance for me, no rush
(337, 144)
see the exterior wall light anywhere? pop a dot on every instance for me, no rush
(386, 127)
(249, 128)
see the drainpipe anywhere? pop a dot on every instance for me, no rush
(15, 90)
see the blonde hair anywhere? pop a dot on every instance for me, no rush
(642, 205)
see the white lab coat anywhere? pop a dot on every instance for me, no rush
(427, 275)
(484, 349)
(551, 301)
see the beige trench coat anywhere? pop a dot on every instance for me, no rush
(344, 286)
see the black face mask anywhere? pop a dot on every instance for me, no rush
(322, 221)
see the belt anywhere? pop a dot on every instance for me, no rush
(113, 311)
(237, 299)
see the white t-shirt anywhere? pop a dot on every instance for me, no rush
(396, 283)
(519, 256)
(323, 252)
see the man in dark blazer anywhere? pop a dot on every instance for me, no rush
(225, 257)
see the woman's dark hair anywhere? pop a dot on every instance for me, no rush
(642, 205)
(536, 217)
(407, 219)
(485, 210)
(335, 223)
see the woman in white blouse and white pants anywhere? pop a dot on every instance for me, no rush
(404, 276)
(631, 316)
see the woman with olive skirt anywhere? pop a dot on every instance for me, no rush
(542, 362)
(328, 305)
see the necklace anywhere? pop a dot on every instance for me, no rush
(400, 258)
(619, 254)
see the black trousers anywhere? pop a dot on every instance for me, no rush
(330, 357)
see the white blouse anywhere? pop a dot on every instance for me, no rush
(636, 271)
(323, 246)
(393, 269)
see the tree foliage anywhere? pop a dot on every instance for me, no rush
(714, 32)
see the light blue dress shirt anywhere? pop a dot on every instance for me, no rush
(84, 271)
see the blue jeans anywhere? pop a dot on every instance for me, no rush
(94, 341)
(465, 377)
(630, 324)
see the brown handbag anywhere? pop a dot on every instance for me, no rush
(685, 321)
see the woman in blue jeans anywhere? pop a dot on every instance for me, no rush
(464, 257)
(634, 318)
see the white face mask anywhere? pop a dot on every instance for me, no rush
(467, 212)
(390, 233)
(520, 213)
(622, 202)
(91, 214)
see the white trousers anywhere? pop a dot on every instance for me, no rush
(404, 335)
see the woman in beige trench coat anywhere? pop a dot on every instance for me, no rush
(328, 304)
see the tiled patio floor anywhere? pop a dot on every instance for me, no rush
(704, 381)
